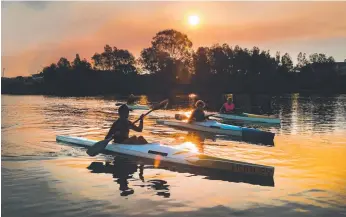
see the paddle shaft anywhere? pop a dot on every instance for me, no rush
(159, 106)
(144, 115)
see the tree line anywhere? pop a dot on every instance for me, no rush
(170, 64)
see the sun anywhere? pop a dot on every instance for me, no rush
(193, 20)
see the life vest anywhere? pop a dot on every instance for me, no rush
(228, 107)
(198, 115)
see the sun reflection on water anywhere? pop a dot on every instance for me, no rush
(188, 146)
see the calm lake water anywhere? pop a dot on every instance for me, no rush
(41, 177)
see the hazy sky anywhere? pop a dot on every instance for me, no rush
(35, 34)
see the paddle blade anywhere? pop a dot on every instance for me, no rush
(98, 147)
(161, 105)
(180, 117)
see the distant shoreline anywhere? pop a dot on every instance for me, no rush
(170, 65)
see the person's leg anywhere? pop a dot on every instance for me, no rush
(131, 140)
(141, 140)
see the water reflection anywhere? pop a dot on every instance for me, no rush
(123, 170)
(309, 159)
(298, 113)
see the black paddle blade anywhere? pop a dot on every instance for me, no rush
(98, 147)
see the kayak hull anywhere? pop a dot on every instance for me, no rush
(211, 126)
(249, 117)
(158, 152)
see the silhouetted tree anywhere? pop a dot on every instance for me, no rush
(287, 62)
(202, 67)
(169, 57)
(171, 61)
(115, 59)
(64, 64)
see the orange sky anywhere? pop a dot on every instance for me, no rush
(35, 34)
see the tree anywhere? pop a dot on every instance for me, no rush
(287, 62)
(115, 59)
(221, 62)
(302, 61)
(201, 63)
(169, 56)
(64, 64)
(98, 61)
(80, 65)
(76, 62)
(277, 57)
(175, 43)
(107, 57)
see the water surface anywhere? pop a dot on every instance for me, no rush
(41, 177)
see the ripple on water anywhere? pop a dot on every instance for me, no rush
(41, 177)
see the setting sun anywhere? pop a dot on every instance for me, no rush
(193, 20)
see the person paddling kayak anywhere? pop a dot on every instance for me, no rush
(198, 114)
(121, 128)
(131, 100)
(228, 107)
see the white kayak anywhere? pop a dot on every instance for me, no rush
(249, 117)
(170, 154)
(212, 126)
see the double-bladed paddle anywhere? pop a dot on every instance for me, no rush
(101, 145)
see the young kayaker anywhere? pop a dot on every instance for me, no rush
(228, 107)
(121, 128)
(198, 114)
(131, 100)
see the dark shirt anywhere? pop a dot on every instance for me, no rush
(197, 115)
(121, 129)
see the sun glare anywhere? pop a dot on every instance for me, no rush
(193, 20)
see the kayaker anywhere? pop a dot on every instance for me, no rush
(228, 107)
(121, 128)
(131, 100)
(198, 114)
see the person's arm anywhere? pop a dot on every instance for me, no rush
(110, 132)
(205, 117)
(192, 117)
(140, 126)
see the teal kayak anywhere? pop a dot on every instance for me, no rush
(138, 107)
(249, 117)
(212, 126)
(134, 106)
